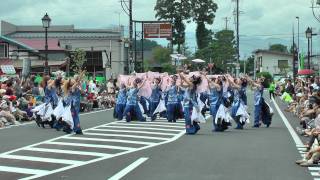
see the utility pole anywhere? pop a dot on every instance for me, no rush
(238, 40)
(226, 20)
(130, 59)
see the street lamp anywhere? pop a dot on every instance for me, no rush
(309, 36)
(46, 24)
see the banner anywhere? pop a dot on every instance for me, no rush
(157, 30)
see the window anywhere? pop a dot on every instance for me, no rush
(4, 50)
(283, 64)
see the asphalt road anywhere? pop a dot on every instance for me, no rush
(107, 149)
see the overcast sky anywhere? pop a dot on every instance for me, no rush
(263, 22)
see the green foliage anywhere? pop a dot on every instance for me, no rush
(177, 12)
(78, 59)
(160, 56)
(147, 44)
(268, 78)
(249, 63)
(279, 48)
(203, 12)
(221, 50)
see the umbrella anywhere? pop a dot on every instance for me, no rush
(198, 61)
(305, 72)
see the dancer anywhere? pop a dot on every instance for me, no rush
(190, 86)
(173, 105)
(258, 93)
(214, 96)
(155, 97)
(132, 108)
(236, 88)
(121, 102)
(75, 103)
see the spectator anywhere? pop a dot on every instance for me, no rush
(289, 88)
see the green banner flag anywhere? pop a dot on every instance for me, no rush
(301, 61)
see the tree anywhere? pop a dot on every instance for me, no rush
(176, 11)
(221, 50)
(160, 56)
(78, 59)
(147, 44)
(279, 48)
(203, 12)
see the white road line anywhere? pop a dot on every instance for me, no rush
(146, 125)
(109, 140)
(40, 159)
(92, 145)
(22, 170)
(60, 151)
(314, 168)
(130, 136)
(294, 135)
(159, 123)
(139, 132)
(315, 174)
(104, 158)
(177, 122)
(145, 128)
(128, 169)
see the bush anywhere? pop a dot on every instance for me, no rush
(268, 78)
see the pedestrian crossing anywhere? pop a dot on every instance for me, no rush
(314, 171)
(98, 143)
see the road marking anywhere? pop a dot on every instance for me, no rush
(139, 132)
(22, 170)
(299, 144)
(40, 159)
(145, 128)
(99, 156)
(153, 123)
(128, 169)
(130, 136)
(109, 140)
(92, 145)
(159, 123)
(292, 132)
(315, 174)
(314, 168)
(146, 125)
(59, 151)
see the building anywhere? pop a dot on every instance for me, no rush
(105, 52)
(276, 63)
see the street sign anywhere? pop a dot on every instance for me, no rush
(157, 30)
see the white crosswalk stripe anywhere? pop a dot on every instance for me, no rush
(120, 137)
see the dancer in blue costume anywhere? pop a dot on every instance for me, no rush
(155, 97)
(132, 108)
(121, 102)
(236, 86)
(214, 96)
(173, 105)
(190, 86)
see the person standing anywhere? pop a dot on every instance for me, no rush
(272, 88)
(258, 93)
(190, 86)
(132, 108)
(155, 97)
(173, 107)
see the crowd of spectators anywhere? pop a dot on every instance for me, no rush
(303, 98)
(18, 97)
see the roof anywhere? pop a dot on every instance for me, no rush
(61, 35)
(17, 43)
(271, 52)
(39, 44)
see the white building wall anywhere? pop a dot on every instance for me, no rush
(270, 62)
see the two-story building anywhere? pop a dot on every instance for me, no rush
(105, 52)
(276, 63)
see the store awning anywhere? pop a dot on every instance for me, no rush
(8, 69)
